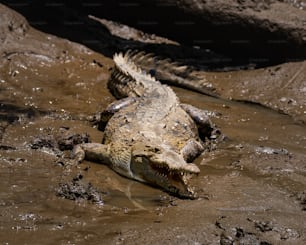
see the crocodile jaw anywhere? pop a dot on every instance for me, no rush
(166, 169)
(176, 182)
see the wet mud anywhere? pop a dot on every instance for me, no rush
(251, 187)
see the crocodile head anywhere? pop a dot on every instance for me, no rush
(164, 168)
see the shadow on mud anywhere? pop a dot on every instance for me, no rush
(219, 45)
(11, 113)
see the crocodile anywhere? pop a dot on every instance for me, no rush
(149, 136)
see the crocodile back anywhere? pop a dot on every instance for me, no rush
(156, 116)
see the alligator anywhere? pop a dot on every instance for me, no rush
(149, 136)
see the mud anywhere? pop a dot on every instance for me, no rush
(77, 190)
(280, 88)
(251, 187)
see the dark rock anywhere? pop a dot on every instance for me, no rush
(45, 141)
(301, 197)
(67, 140)
(64, 140)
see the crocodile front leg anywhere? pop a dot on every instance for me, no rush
(112, 108)
(117, 158)
(93, 152)
(191, 150)
(202, 120)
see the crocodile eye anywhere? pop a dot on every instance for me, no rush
(152, 72)
(156, 150)
(138, 159)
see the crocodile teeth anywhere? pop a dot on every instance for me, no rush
(116, 74)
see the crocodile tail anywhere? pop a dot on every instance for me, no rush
(169, 72)
(164, 68)
(127, 66)
(127, 79)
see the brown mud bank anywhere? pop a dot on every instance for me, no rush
(281, 88)
(252, 187)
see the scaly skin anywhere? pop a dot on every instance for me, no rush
(148, 135)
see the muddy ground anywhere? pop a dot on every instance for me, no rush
(252, 188)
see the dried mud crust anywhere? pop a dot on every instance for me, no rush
(257, 5)
(64, 140)
(301, 198)
(78, 190)
(253, 232)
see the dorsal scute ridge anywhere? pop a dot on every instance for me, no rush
(126, 66)
(139, 81)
